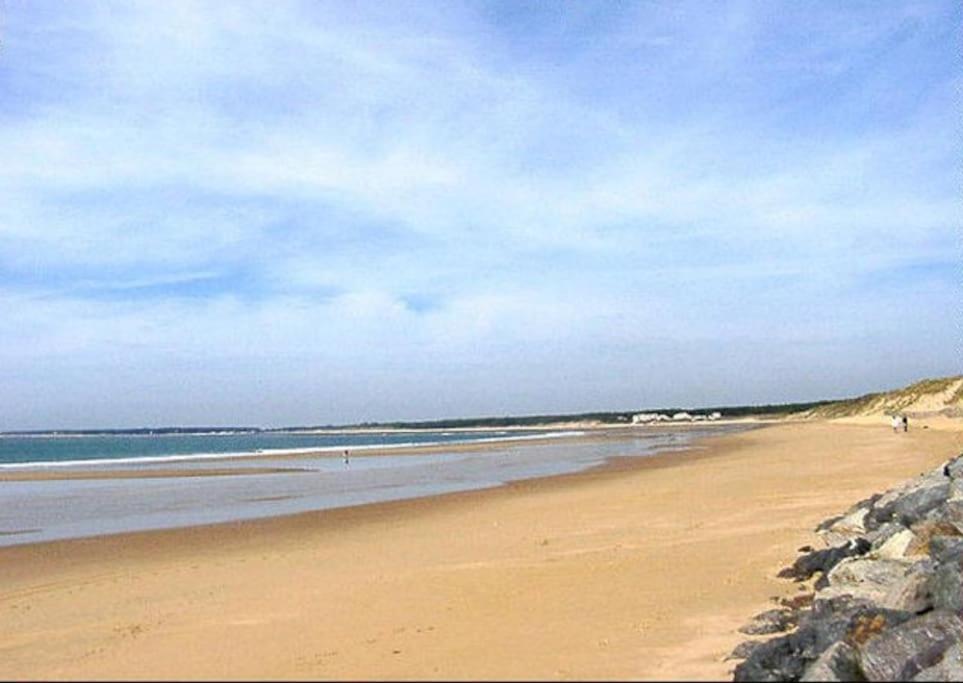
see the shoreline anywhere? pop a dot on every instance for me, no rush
(556, 431)
(361, 450)
(161, 466)
(610, 449)
(639, 568)
(614, 465)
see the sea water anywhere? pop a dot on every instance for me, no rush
(53, 449)
(32, 511)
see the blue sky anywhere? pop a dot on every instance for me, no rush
(290, 213)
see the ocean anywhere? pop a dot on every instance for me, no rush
(17, 451)
(292, 473)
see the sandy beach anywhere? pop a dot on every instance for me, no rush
(640, 569)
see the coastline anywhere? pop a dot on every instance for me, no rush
(50, 469)
(642, 567)
(174, 493)
(171, 460)
(173, 466)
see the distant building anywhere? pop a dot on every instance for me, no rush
(678, 417)
(646, 418)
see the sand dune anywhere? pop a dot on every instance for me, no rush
(928, 397)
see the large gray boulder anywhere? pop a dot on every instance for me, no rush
(892, 584)
(909, 486)
(771, 621)
(837, 530)
(946, 549)
(786, 658)
(744, 649)
(944, 587)
(906, 650)
(866, 578)
(956, 489)
(881, 534)
(895, 545)
(934, 526)
(950, 668)
(910, 506)
(912, 593)
(952, 512)
(839, 662)
(824, 560)
(954, 468)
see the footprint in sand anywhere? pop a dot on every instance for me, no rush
(132, 630)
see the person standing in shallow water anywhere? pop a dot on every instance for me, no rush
(346, 461)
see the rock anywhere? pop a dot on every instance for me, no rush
(833, 539)
(839, 662)
(925, 531)
(889, 601)
(892, 495)
(912, 593)
(770, 621)
(952, 512)
(946, 548)
(945, 587)
(894, 547)
(827, 524)
(744, 649)
(890, 584)
(909, 506)
(780, 659)
(914, 542)
(902, 652)
(866, 578)
(837, 530)
(866, 627)
(956, 489)
(954, 468)
(878, 536)
(805, 549)
(950, 668)
(786, 658)
(824, 560)
(798, 602)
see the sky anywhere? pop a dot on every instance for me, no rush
(289, 213)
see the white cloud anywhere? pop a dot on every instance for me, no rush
(339, 161)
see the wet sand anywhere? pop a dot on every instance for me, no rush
(640, 569)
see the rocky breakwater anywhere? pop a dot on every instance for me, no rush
(887, 598)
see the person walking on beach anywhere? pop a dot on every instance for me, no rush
(905, 421)
(346, 462)
(896, 423)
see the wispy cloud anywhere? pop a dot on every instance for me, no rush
(403, 195)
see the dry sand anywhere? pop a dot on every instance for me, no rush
(643, 569)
